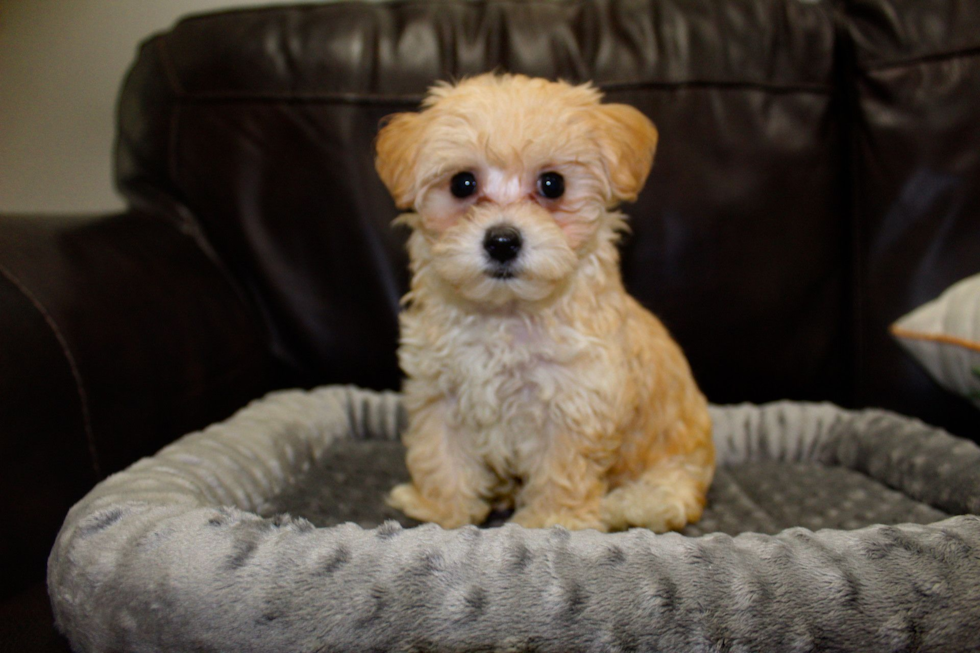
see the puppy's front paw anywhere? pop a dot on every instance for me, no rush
(658, 508)
(529, 518)
(407, 498)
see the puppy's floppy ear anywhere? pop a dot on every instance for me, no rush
(396, 148)
(627, 140)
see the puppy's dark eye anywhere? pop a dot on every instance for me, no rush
(551, 185)
(463, 184)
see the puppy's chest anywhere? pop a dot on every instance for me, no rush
(509, 376)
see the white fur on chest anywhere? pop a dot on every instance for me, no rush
(509, 382)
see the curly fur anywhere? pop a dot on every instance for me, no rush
(551, 390)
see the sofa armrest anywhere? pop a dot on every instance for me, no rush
(118, 334)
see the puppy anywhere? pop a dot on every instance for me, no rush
(534, 381)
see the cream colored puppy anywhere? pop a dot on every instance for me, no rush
(533, 380)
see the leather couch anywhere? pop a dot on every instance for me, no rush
(818, 176)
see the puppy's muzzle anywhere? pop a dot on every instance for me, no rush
(502, 243)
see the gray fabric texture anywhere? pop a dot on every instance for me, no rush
(764, 496)
(185, 551)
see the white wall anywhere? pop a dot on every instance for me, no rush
(61, 65)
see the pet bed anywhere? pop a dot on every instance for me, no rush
(190, 550)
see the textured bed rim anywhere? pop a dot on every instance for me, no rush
(170, 555)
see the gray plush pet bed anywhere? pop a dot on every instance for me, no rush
(190, 550)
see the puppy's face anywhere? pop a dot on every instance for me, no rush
(509, 181)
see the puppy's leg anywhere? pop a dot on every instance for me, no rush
(667, 496)
(448, 484)
(565, 489)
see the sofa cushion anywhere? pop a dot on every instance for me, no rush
(944, 336)
(258, 126)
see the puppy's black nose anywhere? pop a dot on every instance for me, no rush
(503, 243)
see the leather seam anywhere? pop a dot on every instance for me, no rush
(848, 115)
(311, 7)
(939, 57)
(173, 141)
(69, 357)
(173, 81)
(170, 71)
(414, 100)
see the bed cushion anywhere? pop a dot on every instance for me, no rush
(191, 550)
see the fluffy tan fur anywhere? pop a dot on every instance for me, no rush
(551, 391)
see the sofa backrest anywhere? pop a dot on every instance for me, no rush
(818, 172)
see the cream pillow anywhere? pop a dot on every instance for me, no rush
(944, 336)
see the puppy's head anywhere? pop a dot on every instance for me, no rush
(508, 181)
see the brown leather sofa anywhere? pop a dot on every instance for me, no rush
(818, 177)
